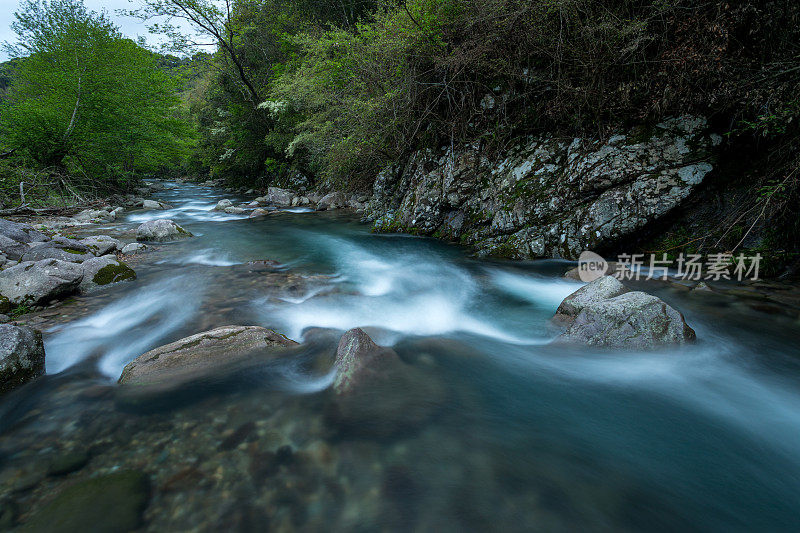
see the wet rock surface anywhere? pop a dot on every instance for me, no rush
(21, 356)
(549, 197)
(101, 271)
(197, 354)
(31, 283)
(161, 230)
(604, 313)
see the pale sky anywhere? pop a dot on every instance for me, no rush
(131, 27)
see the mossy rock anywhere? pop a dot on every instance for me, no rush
(113, 273)
(110, 503)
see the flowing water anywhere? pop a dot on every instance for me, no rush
(528, 436)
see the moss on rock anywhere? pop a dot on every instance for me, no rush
(113, 273)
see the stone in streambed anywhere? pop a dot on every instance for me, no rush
(600, 289)
(162, 230)
(133, 248)
(111, 503)
(277, 197)
(222, 205)
(152, 204)
(101, 245)
(12, 249)
(100, 271)
(631, 320)
(35, 283)
(258, 213)
(376, 393)
(67, 462)
(21, 356)
(334, 200)
(199, 353)
(47, 252)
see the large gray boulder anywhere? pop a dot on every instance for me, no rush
(21, 356)
(278, 197)
(133, 248)
(101, 244)
(200, 353)
(36, 283)
(21, 232)
(598, 290)
(95, 215)
(101, 271)
(12, 249)
(62, 254)
(334, 200)
(631, 320)
(161, 230)
(376, 393)
(222, 205)
(152, 204)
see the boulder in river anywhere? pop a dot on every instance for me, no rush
(234, 210)
(101, 244)
(598, 290)
(258, 213)
(109, 503)
(33, 283)
(133, 248)
(95, 215)
(278, 197)
(376, 393)
(199, 353)
(100, 271)
(222, 205)
(634, 320)
(152, 204)
(21, 356)
(162, 230)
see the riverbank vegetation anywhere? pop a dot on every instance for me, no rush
(335, 91)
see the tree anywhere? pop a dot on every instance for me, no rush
(85, 98)
(213, 24)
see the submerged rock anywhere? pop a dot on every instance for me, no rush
(21, 356)
(601, 315)
(99, 271)
(196, 354)
(34, 283)
(162, 230)
(111, 503)
(375, 392)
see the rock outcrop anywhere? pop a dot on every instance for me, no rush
(162, 230)
(604, 313)
(101, 245)
(547, 197)
(21, 356)
(37, 283)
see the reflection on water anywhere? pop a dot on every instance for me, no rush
(528, 435)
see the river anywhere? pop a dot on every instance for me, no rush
(530, 436)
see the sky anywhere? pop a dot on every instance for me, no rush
(131, 27)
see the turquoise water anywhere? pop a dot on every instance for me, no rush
(528, 436)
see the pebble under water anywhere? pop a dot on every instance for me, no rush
(527, 435)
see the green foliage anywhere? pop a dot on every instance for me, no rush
(87, 101)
